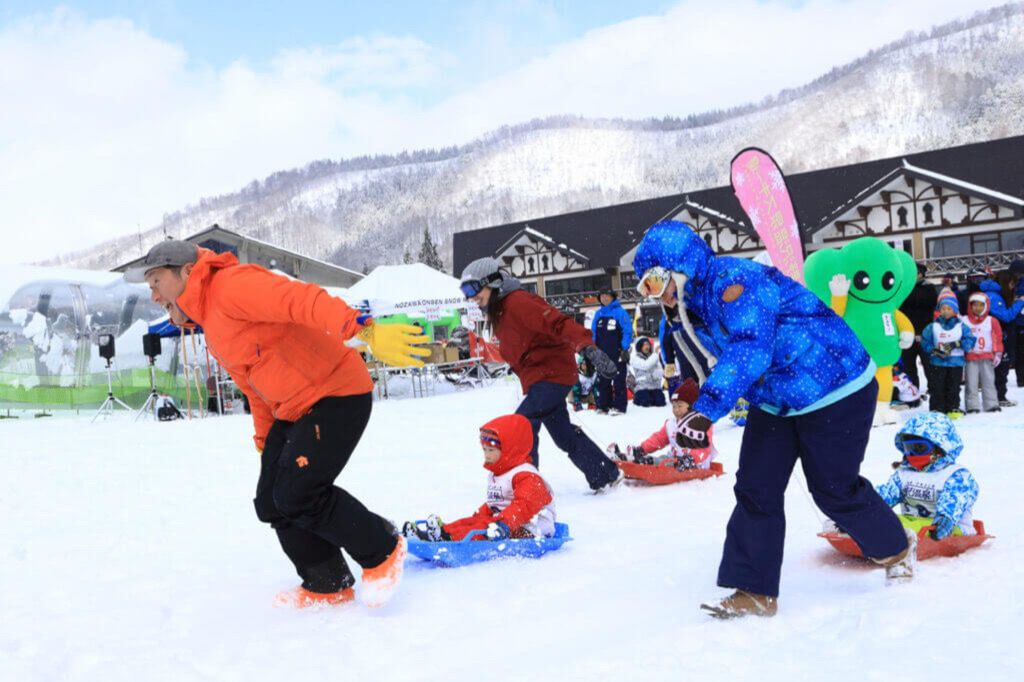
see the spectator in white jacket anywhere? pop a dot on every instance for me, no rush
(646, 366)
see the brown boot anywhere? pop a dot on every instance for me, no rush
(899, 568)
(742, 603)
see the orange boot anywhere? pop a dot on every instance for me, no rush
(301, 598)
(381, 581)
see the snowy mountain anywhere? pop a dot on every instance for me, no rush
(960, 83)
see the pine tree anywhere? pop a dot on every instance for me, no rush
(407, 257)
(366, 268)
(428, 252)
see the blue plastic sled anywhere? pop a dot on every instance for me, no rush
(467, 551)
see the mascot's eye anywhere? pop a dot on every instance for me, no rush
(861, 280)
(888, 281)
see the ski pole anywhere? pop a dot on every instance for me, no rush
(195, 374)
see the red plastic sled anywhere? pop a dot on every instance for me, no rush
(661, 474)
(926, 546)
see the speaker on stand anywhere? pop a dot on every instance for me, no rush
(151, 347)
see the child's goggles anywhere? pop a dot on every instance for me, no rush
(490, 438)
(654, 282)
(918, 452)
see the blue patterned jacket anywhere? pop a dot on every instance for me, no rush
(777, 344)
(960, 491)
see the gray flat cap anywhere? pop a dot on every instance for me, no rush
(170, 253)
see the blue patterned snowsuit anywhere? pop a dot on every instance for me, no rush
(960, 491)
(812, 392)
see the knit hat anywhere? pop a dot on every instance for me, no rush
(947, 297)
(1017, 267)
(687, 392)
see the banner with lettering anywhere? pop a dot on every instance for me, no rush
(761, 190)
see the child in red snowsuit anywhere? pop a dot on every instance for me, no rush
(681, 458)
(519, 502)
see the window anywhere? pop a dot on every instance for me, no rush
(949, 246)
(967, 244)
(218, 246)
(576, 285)
(628, 279)
(529, 287)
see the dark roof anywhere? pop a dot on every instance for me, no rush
(604, 234)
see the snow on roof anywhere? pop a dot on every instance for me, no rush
(967, 186)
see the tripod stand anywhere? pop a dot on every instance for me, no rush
(150, 403)
(107, 408)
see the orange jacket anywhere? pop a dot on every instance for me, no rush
(282, 342)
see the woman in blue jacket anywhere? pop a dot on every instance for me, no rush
(812, 393)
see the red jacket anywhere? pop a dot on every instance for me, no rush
(282, 342)
(538, 342)
(530, 492)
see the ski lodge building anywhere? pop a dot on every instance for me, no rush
(249, 250)
(952, 209)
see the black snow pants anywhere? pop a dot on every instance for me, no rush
(313, 517)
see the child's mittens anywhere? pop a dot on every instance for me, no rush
(684, 462)
(634, 452)
(497, 531)
(943, 527)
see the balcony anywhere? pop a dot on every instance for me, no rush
(570, 303)
(958, 265)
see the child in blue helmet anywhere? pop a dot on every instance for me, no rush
(928, 484)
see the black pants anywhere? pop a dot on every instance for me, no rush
(945, 394)
(1018, 361)
(313, 517)
(910, 356)
(611, 393)
(649, 398)
(545, 404)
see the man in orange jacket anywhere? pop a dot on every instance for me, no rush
(285, 344)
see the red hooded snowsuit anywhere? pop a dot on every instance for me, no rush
(530, 494)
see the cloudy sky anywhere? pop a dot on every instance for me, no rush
(116, 112)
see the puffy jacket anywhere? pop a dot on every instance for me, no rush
(928, 342)
(997, 306)
(612, 328)
(646, 369)
(282, 342)
(776, 343)
(538, 342)
(920, 305)
(960, 491)
(530, 493)
(977, 352)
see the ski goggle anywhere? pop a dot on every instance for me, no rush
(475, 286)
(490, 438)
(916, 446)
(654, 282)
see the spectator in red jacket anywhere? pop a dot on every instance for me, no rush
(519, 502)
(539, 344)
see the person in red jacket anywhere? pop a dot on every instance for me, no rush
(519, 502)
(284, 343)
(678, 456)
(540, 345)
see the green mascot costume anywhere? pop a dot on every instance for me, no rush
(864, 283)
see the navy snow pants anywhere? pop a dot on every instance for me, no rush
(612, 392)
(830, 444)
(545, 404)
(649, 398)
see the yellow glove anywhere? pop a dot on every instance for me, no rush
(395, 344)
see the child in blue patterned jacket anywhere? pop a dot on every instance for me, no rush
(928, 484)
(947, 341)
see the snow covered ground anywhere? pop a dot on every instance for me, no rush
(131, 552)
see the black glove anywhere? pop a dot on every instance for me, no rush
(601, 362)
(624, 355)
(693, 430)
(685, 462)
